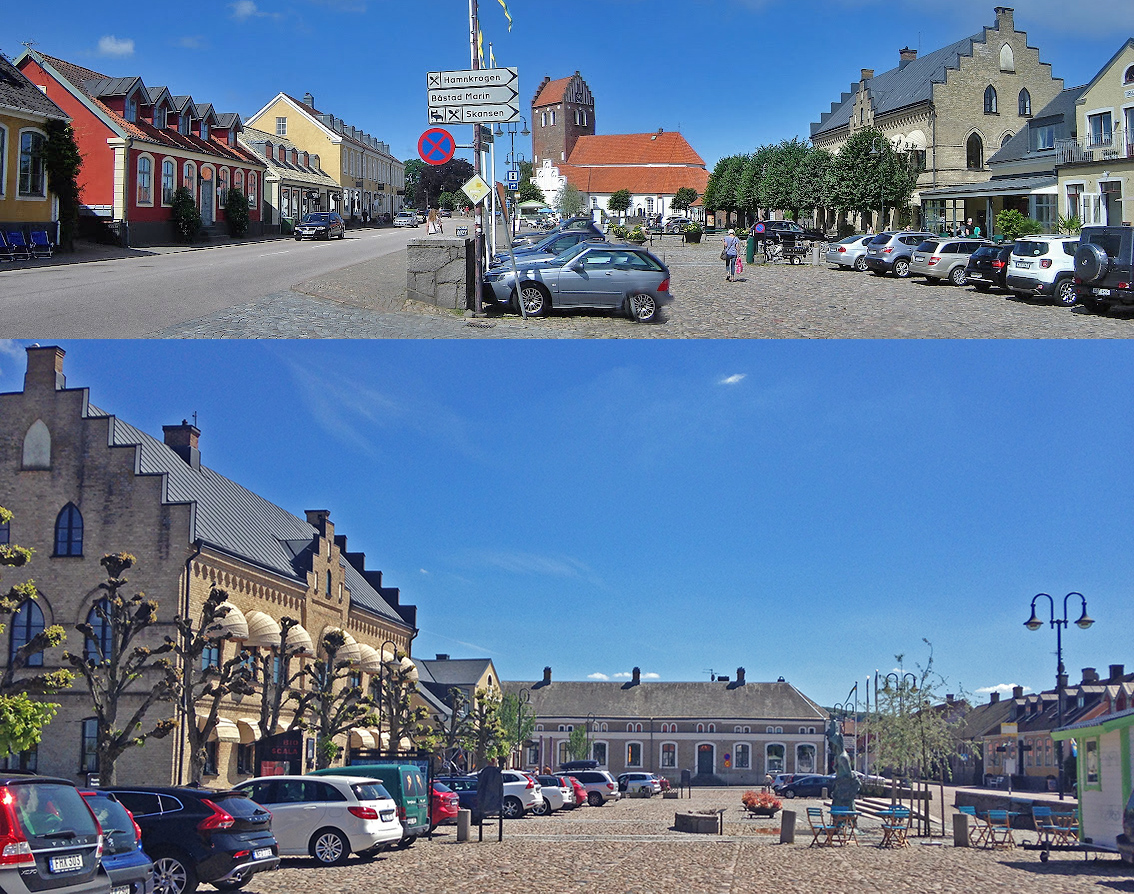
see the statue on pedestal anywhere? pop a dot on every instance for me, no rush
(846, 783)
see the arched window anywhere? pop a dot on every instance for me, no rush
(145, 194)
(27, 624)
(805, 758)
(1025, 102)
(222, 187)
(1128, 78)
(96, 646)
(37, 446)
(990, 100)
(168, 181)
(1007, 59)
(252, 191)
(189, 178)
(69, 531)
(974, 153)
(700, 727)
(238, 180)
(1004, 140)
(88, 746)
(774, 758)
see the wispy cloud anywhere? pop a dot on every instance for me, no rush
(110, 45)
(243, 10)
(1002, 688)
(623, 675)
(597, 676)
(192, 42)
(734, 379)
(531, 563)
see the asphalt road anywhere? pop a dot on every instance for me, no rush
(139, 296)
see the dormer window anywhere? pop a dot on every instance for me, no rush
(183, 124)
(159, 117)
(204, 129)
(131, 111)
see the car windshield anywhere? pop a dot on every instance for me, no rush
(1027, 248)
(116, 823)
(322, 217)
(49, 810)
(1108, 240)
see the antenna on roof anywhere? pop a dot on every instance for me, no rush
(195, 419)
(712, 674)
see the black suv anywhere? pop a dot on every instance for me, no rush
(988, 267)
(1104, 268)
(49, 838)
(785, 231)
(196, 835)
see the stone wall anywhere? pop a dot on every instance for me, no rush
(441, 272)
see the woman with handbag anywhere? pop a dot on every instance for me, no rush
(729, 254)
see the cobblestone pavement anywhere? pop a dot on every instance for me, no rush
(628, 848)
(768, 301)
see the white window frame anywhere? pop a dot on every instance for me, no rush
(281, 126)
(191, 167)
(143, 156)
(3, 161)
(661, 756)
(767, 762)
(814, 756)
(250, 183)
(641, 754)
(736, 755)
(173, 165)
(223, 185)
(130, 109)
(30, 197)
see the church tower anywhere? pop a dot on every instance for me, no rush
(562, 111)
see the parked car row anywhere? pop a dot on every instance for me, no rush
(1094, 268)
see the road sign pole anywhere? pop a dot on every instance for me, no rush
(478, 231)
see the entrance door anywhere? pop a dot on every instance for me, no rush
(207, 213)
(1112, 202)
(705, 762)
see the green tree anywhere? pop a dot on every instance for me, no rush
(867, 175)
(517, 721)
(570, 202)
(425, 183)
(204, 681)
(1012, 224)
(402, 719)
(414, 169)
(578, 744)
(620, 202)
(63, 162)
(185, 215)
(728, 189)
(333, 701)
(21, 718)
(447, 201)
(529, 192)
(684, 198)
(781, 176)
(236, 212)
(278, 681)
(116, 665)
(810, 192)
(712, 188)
(485, 729)
(452, 734)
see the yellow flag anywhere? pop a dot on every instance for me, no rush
(491, 57)
(480, 47)
(507, 14)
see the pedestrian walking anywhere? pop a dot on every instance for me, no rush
(729, 254)
(432, 227)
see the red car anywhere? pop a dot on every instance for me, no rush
(443, 805)
(580, 792)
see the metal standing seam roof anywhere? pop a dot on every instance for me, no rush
(232, 518)
(17, 92)
(454, 671)
(902, 86)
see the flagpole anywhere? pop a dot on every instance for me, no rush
(478, 229)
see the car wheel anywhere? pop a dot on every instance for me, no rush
(235, 883)
(407, 842)
(788, 793)
(535, 299)
(329, 847)
(594, 799)
(901, 268)
(1065, 293)
(512, 808)
(957, 276)
(173, 874)
(542, 808)
(642, 307)
(342, 235)
(298, 238)
(1095, 306)
(860, 264)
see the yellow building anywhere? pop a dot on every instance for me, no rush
(372, 180)
(1096, 175)
(25, 200)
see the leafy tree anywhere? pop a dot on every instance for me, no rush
(578, 744)
(447, 201)
(425, 183)
(63, 162)
(809, 192)
(570, 201)
(485, 728)
(236, 212)
(684, 198)
(185, 215)
(332, 700)
(112, 670)
(517, 721)
(204, 681)
(1012, 224)
(620, 202)
(452, 734)
(781, 176)
(728, 189)
(862, 181)
(712, 188)
(278, 681)
(529, 192)
(21, 718)
(401, 718)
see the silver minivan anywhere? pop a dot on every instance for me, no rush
(945, 257)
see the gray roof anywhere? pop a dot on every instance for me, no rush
(454, 671)
(17, 92)
(1059, 114)
(255, 140)
(1100, 720)
(105, 86)
(748, 701)
(228, 119)
(900, 87)
(233, 519)
(997, 186)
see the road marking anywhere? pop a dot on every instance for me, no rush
(284, 252)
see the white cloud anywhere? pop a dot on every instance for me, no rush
(597, 676)
(423, 571)
(529, 563)
(734, 379)
(651, 676)
(113, 46)
(622, 676)
(1002, 688)
(242, 10)
(192, 42)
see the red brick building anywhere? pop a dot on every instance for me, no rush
(140, 143)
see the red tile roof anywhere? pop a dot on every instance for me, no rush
(661, 181)
(552, 92)
(666, 148)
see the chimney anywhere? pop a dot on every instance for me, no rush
(182, 440)
(1090, 675)
(1117, 672)
(441, 656)
(1017, 692)
(1004, 16)
(309, 100)
(740, 676)
(319, 519)
(45, 369)
(906, 56)
(547, 676)
(637, 677)
(949, 698)
(993, 698)
(867, 74)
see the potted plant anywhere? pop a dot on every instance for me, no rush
(692, 232)
(619, 231)
(761, 803)
(637, 235)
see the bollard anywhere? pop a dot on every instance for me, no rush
(816, 254)
(960, 830)
(787, 827)
(464, 822)
(823, 794)
(750, 254)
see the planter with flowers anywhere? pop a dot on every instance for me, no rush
(637, 235)
(761, 803)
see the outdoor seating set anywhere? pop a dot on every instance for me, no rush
(993, 829)
(14, 246)
(842, 827)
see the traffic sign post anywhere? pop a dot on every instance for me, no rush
(485, 95)
(436, 146)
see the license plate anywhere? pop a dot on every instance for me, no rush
(121, 889)
(1101, 291)
(1023, 264)
(261, 853)
(66, 864)
(919, 257)
(976, 276)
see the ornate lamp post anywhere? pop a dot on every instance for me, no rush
(525, 698)
(1035, 623)
(590, 729)
(844, 709)
(382, 683)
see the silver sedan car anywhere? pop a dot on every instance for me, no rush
(591, 274)
(849, 252)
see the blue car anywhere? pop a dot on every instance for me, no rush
(129, 869)
(547, 248)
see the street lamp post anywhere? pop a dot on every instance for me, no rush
(590, 729)
(382, 686)
(875, 152)
(844, 708)
(525, 698)
(1034, 623)
(512, 160)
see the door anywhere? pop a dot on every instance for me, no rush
(294, 818)
(207, 213)
(590, 281)
(705, 762)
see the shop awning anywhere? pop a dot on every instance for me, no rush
(232, 626)
(263, 631)
(224, 731)
(363, 738)
(299, 641)
(371, 661)
(349, 651)
(249, 730)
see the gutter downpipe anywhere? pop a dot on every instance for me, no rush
(186, 695)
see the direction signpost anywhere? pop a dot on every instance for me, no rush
(483, 95)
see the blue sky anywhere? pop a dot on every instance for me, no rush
(800, 509)
(730, 74)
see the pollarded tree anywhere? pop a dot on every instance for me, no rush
(114, 665)
(517, 722)
(810, 192)
(578, 744)
(451, 734)
(394, 693)
(334, 700)
(279, 682)
(867, 175)
(485, 728)
(204, 679)
(620, 202)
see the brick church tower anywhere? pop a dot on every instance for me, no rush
(562, 111)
